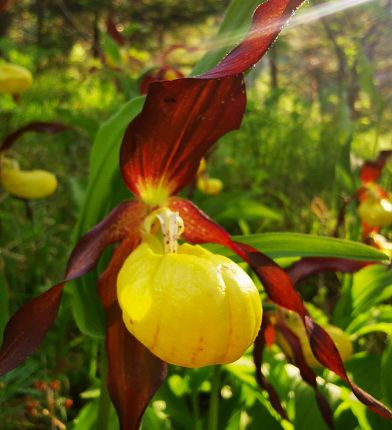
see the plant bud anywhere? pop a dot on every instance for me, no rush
(339, 337)
(27, 184)
(14, 79)
(210, 186)
(191, 308)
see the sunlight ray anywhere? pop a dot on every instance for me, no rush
(307, 16)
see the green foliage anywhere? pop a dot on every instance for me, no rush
(277, 245)
(359, 297)
(88, 311)
(4, 305)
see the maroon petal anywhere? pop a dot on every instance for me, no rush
(180, 121)
(309, 266)
(269, 335)
(146, 81)
(28, 326)
(40, 127)
(112, 31)
(369, 172)
(372, 170)
(306, 372)
(199, 228)
(268, 20)
(326, 353)
(134, 373)
(260, 378)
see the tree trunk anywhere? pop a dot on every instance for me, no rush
(5, 22)
(96, 44)
(273, 68)
(40, 13)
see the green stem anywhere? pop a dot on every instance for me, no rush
(196, 409)
(104, 399)
(214, 400)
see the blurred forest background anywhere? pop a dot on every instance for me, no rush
(319, 104)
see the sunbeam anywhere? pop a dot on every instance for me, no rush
(308, 15)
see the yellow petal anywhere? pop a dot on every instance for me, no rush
(14, 79)
(28, 184)
(191, 308)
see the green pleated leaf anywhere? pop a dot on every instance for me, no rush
(307, 414)
(104, 162)
(111, 49)
(87, 417)
(371, 286)
(277, 245)
(386, 374)
(367, 288)
(101, 196)
(366, 371)
(377, 318)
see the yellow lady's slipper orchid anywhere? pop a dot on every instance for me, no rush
(340, 338)
(190, 307)
(26, 184)
(210, 186)
(376, 212)
(205, 184)
(14, 79)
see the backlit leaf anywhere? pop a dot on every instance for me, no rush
(277, 245)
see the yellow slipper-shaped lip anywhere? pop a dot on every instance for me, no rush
(27, 184)
(191, 308)
(14, 79)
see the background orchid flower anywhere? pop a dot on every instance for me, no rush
(375, 205)
(14, 79)
(27, 184)
(160, 155)
(165, 71)
(283, 328)
(205, 184)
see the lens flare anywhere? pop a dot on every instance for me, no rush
(305, 17)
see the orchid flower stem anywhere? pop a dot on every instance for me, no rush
(196, 409)
(214, 399)
(104, 399)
